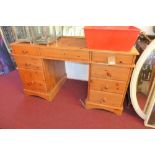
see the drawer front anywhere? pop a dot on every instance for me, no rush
(29, 75)
(33, 80)
(119, 58)
(35, 86)
(28, 62)
(104, 98)
(65, 54)
(78, 55)
(52, 53)
(107, 85)
(25, 50)
(110, 72)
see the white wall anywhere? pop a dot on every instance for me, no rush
(147, 29)
(80, 71)
(77, 71)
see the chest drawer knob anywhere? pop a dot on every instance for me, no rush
(108, 74)
(27, 65)
(102, 101)
(106, 87)
(24, 52)
(117, 86)
(30, 83)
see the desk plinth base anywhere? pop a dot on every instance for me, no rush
(91, 105)
(49, 95)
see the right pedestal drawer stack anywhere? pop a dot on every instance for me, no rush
(109, 77)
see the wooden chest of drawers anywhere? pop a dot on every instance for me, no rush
(108, 82)
(106, 85)
(42, 71)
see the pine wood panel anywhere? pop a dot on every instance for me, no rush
(33, 80)
(50, 94)
(104, 98)
(119, 58)
(60, 70)
(25, 49)
(107, 85)
(31, 75)
(65, 54)
(43, 75)
(54, 71)
(28, 62)
(109, 72)
(49, 74)
(35, 86)
(115, 109)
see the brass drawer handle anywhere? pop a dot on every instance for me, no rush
(30, 83)
(108, 74)
(24, 52)
(37, 67)
(27, 65)
(102, 101)
(106, 87)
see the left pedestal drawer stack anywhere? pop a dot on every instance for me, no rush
(33, 76)
(32, 73)
(40, 77)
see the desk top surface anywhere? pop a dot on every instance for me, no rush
(76, 43)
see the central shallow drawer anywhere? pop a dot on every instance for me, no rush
(109, 72)
(107, 85)
(65, 54)
(119, 58)
(28, 62)
(104, 98)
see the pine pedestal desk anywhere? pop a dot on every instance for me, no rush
(42, 71)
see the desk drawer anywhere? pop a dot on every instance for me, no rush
(110, 72)
(107, 85)
(35, 86)
(78, 55)
(68, 54)
(31, 75)
(104, 98)
(28, 62)
(119, 58)
(25, 50)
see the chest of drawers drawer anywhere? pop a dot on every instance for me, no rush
(107, 85)
(104, 98)
(23, 49)
(33, 80)
(118, 58)
(35, 86)
(109, 72)
(28, 62)
(62, 54)
(29, 75)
